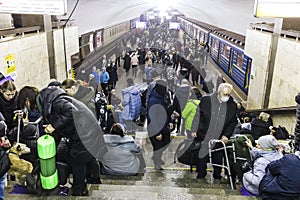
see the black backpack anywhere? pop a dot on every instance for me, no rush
(187, 152)
(281, 133)
(34, 185)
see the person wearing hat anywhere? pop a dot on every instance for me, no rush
(29, 137)
(264, 153)
(159, 122)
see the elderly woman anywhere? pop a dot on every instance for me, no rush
(264, 153)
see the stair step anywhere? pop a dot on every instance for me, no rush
(158, 192)
(165, 178)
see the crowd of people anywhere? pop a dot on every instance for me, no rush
(89, 117)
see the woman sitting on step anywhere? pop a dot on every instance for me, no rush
(123, 157)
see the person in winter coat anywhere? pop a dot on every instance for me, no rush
(127, 61)
(159, 121)
(264, 153)
(134, 63)
(131, 106)
(92, 83)
(9, 104)
(260, 126)
(149, 73)
(86, 96)
(26, 101)
(191, 113)
(195, 76)
(180, 100)
(124, 157)
(297, 126)
(104, 78)
(112, 71)
(95, 73)
(217, 121)
(68, 117)
(280, 181)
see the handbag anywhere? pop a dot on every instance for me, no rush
(187, 152)
(4, 162)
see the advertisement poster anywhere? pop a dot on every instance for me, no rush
(10, 63)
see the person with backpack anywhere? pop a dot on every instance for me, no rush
(131, 102)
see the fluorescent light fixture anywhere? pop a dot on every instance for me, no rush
(163, 5)
(277, 8)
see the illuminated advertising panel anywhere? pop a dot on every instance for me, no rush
(40, 7)
(277, 8)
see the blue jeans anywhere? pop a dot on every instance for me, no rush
(2, 182)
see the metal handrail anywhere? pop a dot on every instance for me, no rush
(272, 111)
(22, 30)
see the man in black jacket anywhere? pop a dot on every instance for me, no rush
(68, 117)
(217, 121)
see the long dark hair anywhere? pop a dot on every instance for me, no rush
(27, 94)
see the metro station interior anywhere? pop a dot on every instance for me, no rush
(257, 54)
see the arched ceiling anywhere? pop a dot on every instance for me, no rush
(234, 15)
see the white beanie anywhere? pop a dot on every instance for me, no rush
(267, 142)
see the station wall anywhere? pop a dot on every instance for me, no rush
(286, 79)
(31, 56)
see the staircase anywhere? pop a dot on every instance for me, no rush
(174, 182)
